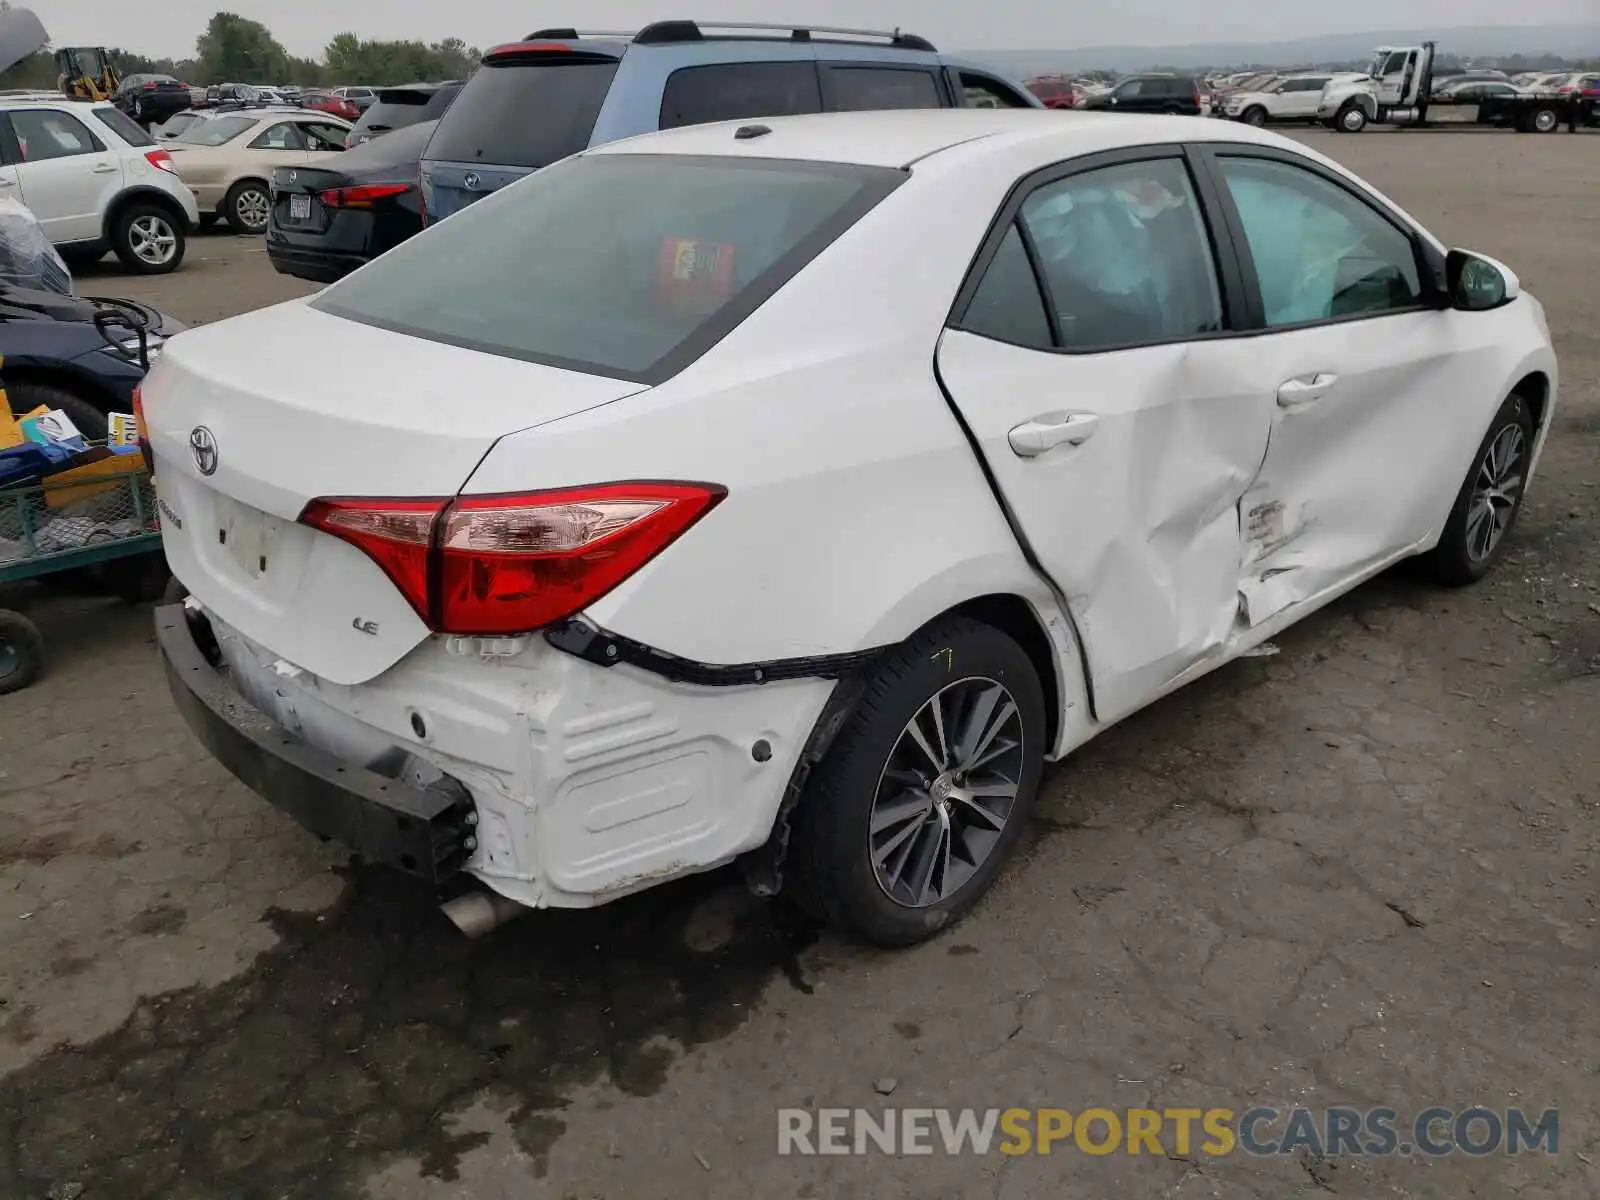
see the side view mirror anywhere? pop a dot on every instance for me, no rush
(1476, 283)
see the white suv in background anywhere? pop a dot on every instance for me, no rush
(96, 181)
(1292, 98)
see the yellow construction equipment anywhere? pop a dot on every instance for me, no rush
(87, 73)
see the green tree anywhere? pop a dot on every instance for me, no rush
(235, 49)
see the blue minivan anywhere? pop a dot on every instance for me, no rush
(559, 91)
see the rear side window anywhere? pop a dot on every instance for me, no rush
(866, 89)
(124, 126)
(1125, 256)
(626, 265)
(731, 91)
(1007, 305)
(525, 113)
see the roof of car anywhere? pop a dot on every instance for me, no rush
(899, 138)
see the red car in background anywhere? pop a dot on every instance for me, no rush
(1053, 91)
(327, 102)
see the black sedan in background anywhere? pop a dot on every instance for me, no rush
(327, 221)
(399, 107)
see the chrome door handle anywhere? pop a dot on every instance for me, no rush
(1305, 389)
(1033, 438)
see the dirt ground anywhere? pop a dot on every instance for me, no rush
(1360, 872)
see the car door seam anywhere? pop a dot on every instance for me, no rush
(1017, 532)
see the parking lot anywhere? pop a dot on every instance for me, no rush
(1359, 871)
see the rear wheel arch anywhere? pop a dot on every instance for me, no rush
(142, 195)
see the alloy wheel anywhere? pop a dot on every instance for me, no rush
(1495, 491)
(254, 208)
(946, 792)
(152, 240)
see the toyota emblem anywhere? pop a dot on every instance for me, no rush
(203, 445)
(472, 181)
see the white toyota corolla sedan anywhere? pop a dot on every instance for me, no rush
(790, 492)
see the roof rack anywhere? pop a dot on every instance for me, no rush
(665, 32)
(565, 33)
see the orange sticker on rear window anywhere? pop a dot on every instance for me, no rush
(693, 274)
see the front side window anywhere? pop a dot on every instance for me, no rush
(735, 91)
(44, 134)
(867, 89)
(627, 265)
(1131, 87)
(1319, 252)
(1125, 256)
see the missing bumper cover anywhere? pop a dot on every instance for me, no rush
(593, 644)
(423, 831)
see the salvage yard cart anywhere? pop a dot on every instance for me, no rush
(104, 527)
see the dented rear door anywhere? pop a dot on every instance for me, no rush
(1121, 434)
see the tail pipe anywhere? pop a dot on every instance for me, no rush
(478, 912)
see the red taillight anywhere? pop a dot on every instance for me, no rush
(161, 161)
(492, 565)
(362, 197)
(139, 431)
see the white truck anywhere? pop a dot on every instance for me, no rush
(1398, 89)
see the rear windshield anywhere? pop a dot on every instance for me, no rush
(215, 131)
(396, 108)
(124, 126)
(525, 113)
(625, 265)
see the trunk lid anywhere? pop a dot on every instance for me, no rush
(245, 431)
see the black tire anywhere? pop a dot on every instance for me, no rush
(233, 206)
(21, 652)
(1255, 115)
(149, 239)
(1452, 562)
(1352, 118)
(138, 578)
(829, 865)
(1544, 120)
(29, 394)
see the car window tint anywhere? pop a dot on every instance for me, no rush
(319, 135)
(1125, 255)
(285, 135)
(979, 91)
(1007, 305)
(124, 126)
(865, 89)
(620, 264)
(215, 131)
(731, 91)
(1319, 252)
(43, 134)
(524, 114)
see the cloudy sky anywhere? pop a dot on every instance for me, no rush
(169, 27)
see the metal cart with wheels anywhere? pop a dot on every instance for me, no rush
(104, 527)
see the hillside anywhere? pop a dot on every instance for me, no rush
(1475, 42)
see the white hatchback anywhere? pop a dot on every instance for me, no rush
(96, 181)
(789, 491)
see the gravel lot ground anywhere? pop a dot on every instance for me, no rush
(1362, 871)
